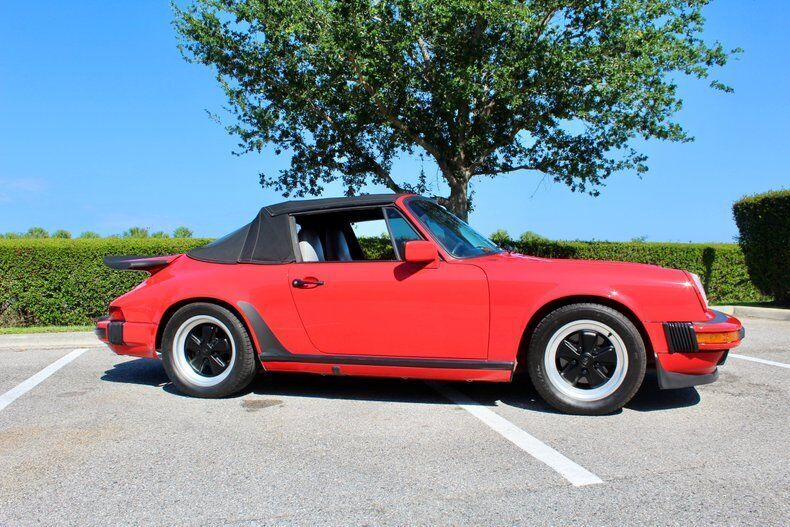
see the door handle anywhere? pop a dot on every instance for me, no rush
(298, 282)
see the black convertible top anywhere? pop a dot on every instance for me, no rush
(268, 238)
(313, 205)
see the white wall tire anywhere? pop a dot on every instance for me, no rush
(586, 359)
(207, 352)
(223, 360)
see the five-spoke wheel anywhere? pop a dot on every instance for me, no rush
(586, 358)
(207, 352)
(204, 350)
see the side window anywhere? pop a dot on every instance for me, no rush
(401, 229)
(374, 240)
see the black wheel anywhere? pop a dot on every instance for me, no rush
(586, 359)
(207, 352)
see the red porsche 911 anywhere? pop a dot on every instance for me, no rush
(294, 290)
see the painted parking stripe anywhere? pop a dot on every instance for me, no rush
(22, 388)
(577, 475)
(761, 361)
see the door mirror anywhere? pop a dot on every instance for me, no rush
(420, 252)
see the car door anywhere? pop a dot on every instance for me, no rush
(393, 308)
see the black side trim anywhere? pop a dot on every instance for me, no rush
(269, 343)
(390, 361)
(115, 332)
(681, 337)
(101, 333)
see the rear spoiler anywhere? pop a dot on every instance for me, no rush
(139, 263)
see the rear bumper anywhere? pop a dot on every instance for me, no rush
(127, 338)
(689, 353)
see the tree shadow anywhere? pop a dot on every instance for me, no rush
(708, 257)
(518, 394)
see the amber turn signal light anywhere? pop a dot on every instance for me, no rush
(717, 338)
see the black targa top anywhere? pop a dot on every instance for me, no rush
(268, 239)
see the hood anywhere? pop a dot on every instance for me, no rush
(618, 270)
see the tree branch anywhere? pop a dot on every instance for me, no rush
(544, 22)
(383, 175)
(397, 123)
(513, 168)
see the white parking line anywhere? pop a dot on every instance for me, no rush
(25, 386)
(577, 475)
(762, 361)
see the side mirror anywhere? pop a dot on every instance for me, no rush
(421, 252)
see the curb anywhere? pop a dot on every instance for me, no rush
(770, 313)
(72, 339)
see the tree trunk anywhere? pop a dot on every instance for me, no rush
(458, 202)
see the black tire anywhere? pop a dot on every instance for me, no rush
(626, 345)
(240, 368)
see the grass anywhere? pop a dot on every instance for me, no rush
(43, 329)
(757, 304)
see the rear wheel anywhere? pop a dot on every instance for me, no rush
(586, 359)
(207, 352)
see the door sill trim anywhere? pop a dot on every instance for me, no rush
(364, 360)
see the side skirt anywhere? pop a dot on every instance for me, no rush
(451, 372)
(461, 364)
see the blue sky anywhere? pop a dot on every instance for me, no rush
(103, 126)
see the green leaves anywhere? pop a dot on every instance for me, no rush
(482, 88)
(764, 224)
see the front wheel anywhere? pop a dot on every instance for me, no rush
(586, 359)
(207, 352)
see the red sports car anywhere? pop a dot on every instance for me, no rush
(294, 290)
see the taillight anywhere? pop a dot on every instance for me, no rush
(116, 313)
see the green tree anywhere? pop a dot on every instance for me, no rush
(182, 232)
(36, 232)
(90, 235)
(563, 88)
(160, 234)
(60, 233)
(530, 236)
(500, 237)
(136, 232)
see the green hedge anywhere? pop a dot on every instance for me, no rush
(54, 282)
(764, 223)
(64, 282)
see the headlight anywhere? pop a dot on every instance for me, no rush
(700, 289)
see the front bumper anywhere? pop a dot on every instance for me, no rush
(689, 353)
(127, 338)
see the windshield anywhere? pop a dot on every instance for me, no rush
(455, 236)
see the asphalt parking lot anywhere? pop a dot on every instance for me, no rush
(106, 440)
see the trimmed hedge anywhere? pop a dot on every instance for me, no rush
(64, 282)
(57, 282)
(764, 223)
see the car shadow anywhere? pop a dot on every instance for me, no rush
(148, 372)
(519, 394)
(650, 398)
